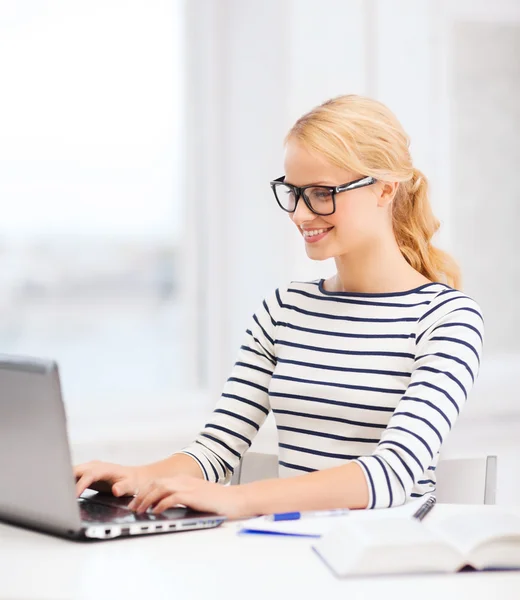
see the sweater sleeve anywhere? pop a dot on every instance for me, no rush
(244, 403)
(449, 344)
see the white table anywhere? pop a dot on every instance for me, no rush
(210, 565)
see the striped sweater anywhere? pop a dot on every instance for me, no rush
(378, 379)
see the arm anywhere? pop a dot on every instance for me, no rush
(217, 450)
(448, 350)
(243, 406)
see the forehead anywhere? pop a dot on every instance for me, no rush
(303, 167)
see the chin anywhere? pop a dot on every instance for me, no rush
(319, 255)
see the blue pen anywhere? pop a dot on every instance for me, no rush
(295, 516)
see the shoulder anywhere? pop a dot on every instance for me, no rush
(449, 304)
(294, 293)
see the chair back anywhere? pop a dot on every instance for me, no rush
(459, 481)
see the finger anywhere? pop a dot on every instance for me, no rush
(79, 470)
(139, 495)
(84, 482)
(125, 487)
(165, 503)
(152, 497)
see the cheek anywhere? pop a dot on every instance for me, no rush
(355, 216)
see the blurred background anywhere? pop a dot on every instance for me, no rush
(138, 232)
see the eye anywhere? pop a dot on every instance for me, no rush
(319, 194)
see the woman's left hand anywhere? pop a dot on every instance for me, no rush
(192, 492)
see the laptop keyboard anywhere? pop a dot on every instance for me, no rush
(94, 512)
(99, 513)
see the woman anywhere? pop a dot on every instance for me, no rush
(366, 372)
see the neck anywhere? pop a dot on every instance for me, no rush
(378, 268)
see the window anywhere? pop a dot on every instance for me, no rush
(91, 192)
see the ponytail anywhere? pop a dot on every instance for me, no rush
(414, 226)
(364, 136)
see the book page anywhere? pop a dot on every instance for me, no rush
(472, 530)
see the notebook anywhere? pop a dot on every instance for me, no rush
(476, 540)
(311, 528)
(315, 527)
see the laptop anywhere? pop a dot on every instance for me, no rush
(37, 483)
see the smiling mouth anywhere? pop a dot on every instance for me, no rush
(315, 235)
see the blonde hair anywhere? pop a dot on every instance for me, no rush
(364, 136)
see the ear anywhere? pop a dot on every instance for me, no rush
(387, 193)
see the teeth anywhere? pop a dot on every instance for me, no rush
(313, 232)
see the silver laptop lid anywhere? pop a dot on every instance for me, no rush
(37, 487)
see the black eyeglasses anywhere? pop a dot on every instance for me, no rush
(319, 199)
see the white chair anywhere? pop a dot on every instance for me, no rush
(459, 481)
(467, 480)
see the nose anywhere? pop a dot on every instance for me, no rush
(302, 214)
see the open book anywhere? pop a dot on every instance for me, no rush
(477, 539)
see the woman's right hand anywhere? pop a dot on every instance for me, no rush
(108, 477)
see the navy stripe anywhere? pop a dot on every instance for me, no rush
(206, 477)
(467, 325)
(430, 404)
(224, 465)
(246, 401)
(310, 313)
(267, 336)
(414, 495)
(264, 303)
(431, 468)
(407, 468)
(268, 355)
(420, 290)
(214, 472)
(249, 383)
(396, 473)
(331, 436)
(365, 336)
(426, 481)
(340, 385)
(414, 416)
(222, 411)
(229, 431)
(318, 452)
(380, 460)
(404, 449)
(416, 435)
(336, 402)
(446, 291)
(255, 367)
(471, 310)
(456, 341)
(343, 369)
(248, 349)
(437, 389)
(372, 486)
(359, 302)
(345, 352)
(326, 418)
(297, 467)
(452, 377)
(436, 307)
(223, 444)
(449, 357)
